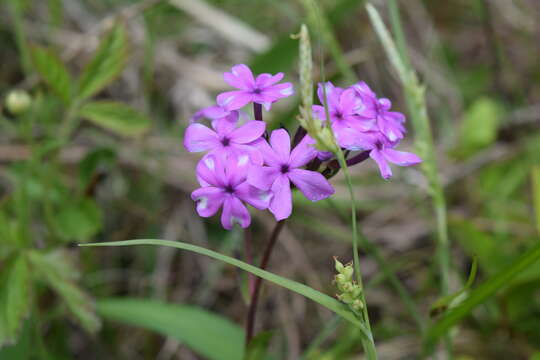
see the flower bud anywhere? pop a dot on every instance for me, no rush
(357, 305)
(348, 272)
(339, 266)
(18, 101)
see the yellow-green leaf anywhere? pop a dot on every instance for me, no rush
(53, 72)
(14, 298)
(117, 117)
(107, 63)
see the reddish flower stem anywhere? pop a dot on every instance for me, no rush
(257, 111)
(252, 311)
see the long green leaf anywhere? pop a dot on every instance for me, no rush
(208, 334)
(108, 62)
(481, 294)
(117, 117)
(14, 298)
(53, 72)
(312, 294)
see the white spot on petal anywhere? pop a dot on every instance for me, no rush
(243, 160)
(209, 162)
(227, 100)
(287, 91)
(202, 203)
(265, 196)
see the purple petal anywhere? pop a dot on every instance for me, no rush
(281, 144)
(384, 168)
(269, 155)
(319, 112)
(303, 153)
(240, 77)
(281, 203)
(250, 131)
(262, 177)
(234, 100)
(265, 80)
(210, 171)
(199, 138)
(312, 184)
(401, 158)
(234, 212)
(259, 199)
(209, 200)
(332, 94)
(349, 102)
(236, 169)
(279, 91)
(324, 155)
(226, 124)
(385, 103)
(352, 139)
(215, 112)
(255, 156)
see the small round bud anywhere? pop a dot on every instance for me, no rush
(18, 101)
(357, 305)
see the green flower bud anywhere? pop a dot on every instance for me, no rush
(348, 272)
(340, 279)
(357, 305)
(18, 101)
(339, 265)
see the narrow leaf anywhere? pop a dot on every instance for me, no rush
(206, 333)
(14, 299)
(536, 194)
(310, 293)
(108, 62)
(479, 295)
(53, 72)
(117, 117)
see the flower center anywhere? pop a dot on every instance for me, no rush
(257, 91)
(338, 115)
(284, 168)
(225, 141)
(229, 189)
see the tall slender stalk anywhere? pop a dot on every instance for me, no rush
(416, 103)
(368, 343)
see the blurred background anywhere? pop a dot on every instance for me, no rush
(91, 150)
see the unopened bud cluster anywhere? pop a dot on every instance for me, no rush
(349, 290)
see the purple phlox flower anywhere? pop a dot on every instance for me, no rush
(225, 137)
(382, 151)
(282, 167)
(390, 123)
(223, 184)
(343, 108)
(261, 90)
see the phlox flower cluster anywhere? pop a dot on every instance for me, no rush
(245, 164)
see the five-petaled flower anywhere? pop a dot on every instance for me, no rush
(262, 90)
(283, 167)
(223, 184)
(225, 137)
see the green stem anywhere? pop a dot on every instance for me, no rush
(368, 343)
(416, 103)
